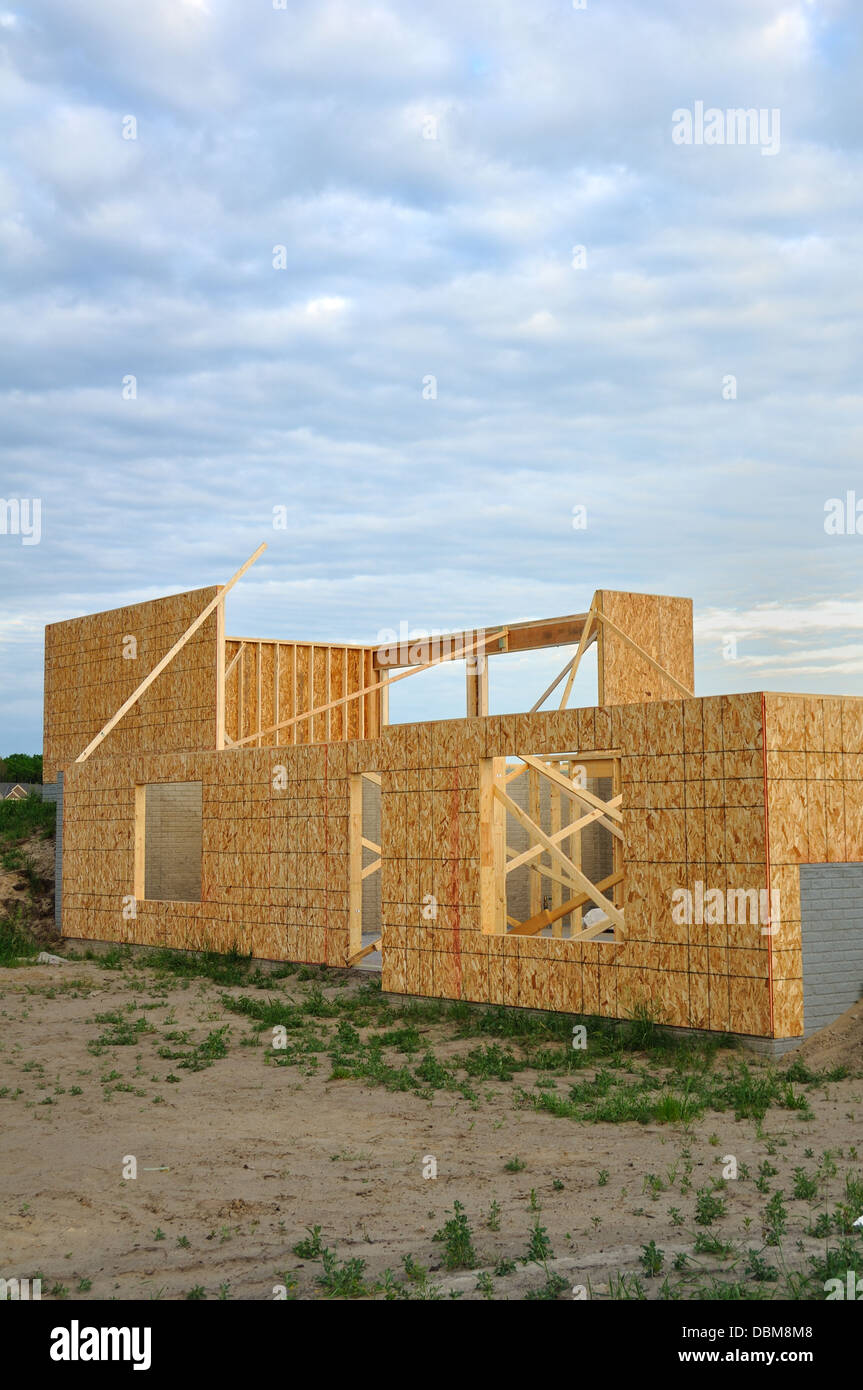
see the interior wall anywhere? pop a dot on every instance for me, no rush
(273, 681)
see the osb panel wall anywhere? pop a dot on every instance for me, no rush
(814, 759)
(693, 789)
(87, 678)
(274, 865)
(663, 627)
(272, 681)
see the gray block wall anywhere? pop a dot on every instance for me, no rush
(53, 791)
(831, 906)
(173, 840)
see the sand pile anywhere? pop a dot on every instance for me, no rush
(840, 1044)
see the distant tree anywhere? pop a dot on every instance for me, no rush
(21, 767)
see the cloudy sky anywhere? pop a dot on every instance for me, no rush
(325, 257)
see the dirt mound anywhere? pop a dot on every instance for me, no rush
(28, 884)
(840, 1044)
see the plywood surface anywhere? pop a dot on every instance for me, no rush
(89, 674)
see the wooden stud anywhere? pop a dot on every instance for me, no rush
(139, 881)
(533, 804)
(476, 681)
(220, 676)
(355, 695)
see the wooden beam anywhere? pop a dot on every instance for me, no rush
(476, 686)
(516, 772)
(365, 951)
(513, 637)
(370, 844)
(533, 810)
(547, 918)
(371, 868)
(579, 793)
(492, 848)
(372, 777)
(547, 843)
(220, 677)
(573, 828)
(168, 657)
(582, 648)
(549, 690)
(139, 887)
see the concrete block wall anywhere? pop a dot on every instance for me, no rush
(831, 902)
(173, 842)
(53, 791)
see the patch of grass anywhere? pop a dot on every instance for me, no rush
(29, 816)
(311, 1247)
(457, 1239)
(342, 1279)
(15, 939)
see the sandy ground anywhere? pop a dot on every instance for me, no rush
(15, 890)
(237, 1160)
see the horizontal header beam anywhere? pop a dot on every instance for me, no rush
(409, 649)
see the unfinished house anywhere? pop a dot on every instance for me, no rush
(702, 857)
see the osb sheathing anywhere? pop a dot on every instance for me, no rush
(274, 871)
(275, 859)
(272, 681)
(88, 677)
(693, 799)
(662, 627)
(814, 765)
